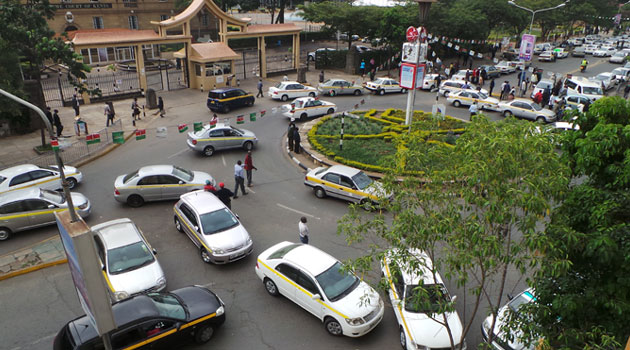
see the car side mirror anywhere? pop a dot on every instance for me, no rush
(510, 296)
(316, 297)
(103, 267)
(154, 251)
(238, 217)
(197, 228)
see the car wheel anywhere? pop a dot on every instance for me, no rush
(457, 103)
(320, 193)
(72, 182)
(248, 145)
(251, 102)
(205, 256)
(432, 87)
(5, 233)
(135, 201)
(330, 111)
(507, 114)
(203, 334)
(403, 339)
(333, 326)
(303, 117)
(226, 109)
(446, 93)
(311, 94)
(540, 119)
(332, 93)
(381, 92)
(402, 91)
(208, 151)
(271, 287)
(178, 225)
(284, 98)
(357, 92)
(366, 204)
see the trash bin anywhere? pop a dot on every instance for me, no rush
(151, 99)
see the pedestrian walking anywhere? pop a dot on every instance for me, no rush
(57, 122)
(260, 87)
(296, 140)
(473, 109)
(303, 230)
(290, 135)
(160, 107)
(75, 105)
(225, 195)
(546, 95)
(362, 67)
(249, 167)
(135, 109)
(371, 74)
(523, 87)
(491, 87)
(438, 81)
(239, 179)
(506, 90)
(321, 76)
(108, 114)
(285, 78)
(209, 187)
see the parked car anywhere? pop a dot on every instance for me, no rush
(362, 48)
(547, 56)
(542, 47)
(307, 107)
(505, 67)
(214, 229)
(27, 208)
(420, 326)
(578, 51)
(572, 101)
(430, 81)
(622, 73)
(154, 320)
(461, 74)
(607, 80)
(333, 87)
(604, 51)
(526, 109)
(541, 86)
(618, 57)
(312, 56)
(492, 71)
(29, 175)
(222, 136)
(583, 86)
(157, 182)
(319, 283)
(450, 86)
(227, 99)
(510, 54)
(590, 49)
(501, 340)
(129, 263)
(285, 90)
(468, 97)
(384, 85)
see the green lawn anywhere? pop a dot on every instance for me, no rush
(370, 151)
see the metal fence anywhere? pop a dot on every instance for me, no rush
(58, 90)
(72, 152)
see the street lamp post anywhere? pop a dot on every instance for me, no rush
(534, 12)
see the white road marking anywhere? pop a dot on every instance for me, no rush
(178, 153)
(223, 159)
(28, 346)
(297, 211)
(249, 189)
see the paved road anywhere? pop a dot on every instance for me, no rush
(35, 306)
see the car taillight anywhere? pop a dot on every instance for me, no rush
(116, 192)
(275, 92)
(194, 142)
(256, 263)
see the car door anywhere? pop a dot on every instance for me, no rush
(190, 223)
(304, 294)
(233, 138)
(286, 283)
(21, 181)
(161, 333)
(172, 187)
(217, 138)
(526, 111)
(317, 108)
(333, 187)
(46, 179)
(350, 189)
(149, 188)
(127, 337)
(40, 212)
(13, 216)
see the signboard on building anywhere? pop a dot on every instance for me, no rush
(91, 5)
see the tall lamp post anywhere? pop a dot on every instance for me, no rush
(534, 12)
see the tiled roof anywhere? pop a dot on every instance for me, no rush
(112, 36)
(206, 52)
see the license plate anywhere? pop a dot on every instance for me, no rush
(234, 256)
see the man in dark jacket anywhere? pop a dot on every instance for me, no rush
(296, 140)
(225, 195)
(57, 122)
(290, 135)
(545, 97)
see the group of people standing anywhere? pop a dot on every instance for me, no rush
(293, 138)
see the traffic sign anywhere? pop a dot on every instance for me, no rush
(412, 34)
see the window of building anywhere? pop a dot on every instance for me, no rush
(164, 17)
(98, 22)
(94, 0)
(133, 22)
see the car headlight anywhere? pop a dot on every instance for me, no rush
(355, 321)
(83, 206)
(217, 250)
(121, 295)
(161, 282)
(220, 311)
(249, 240)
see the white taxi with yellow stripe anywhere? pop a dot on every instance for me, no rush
(222, 136)
(346, 183)
(468, 97)
(286, 90)
(382, 86)
(32, 207)
(29, 175)
(417, 295)
(308, 107)
(319, 284)
(158, 182)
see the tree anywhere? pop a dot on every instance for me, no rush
(462, 19)
(582, 288)
(476, 212)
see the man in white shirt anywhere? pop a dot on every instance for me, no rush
(303, 230)
(239, 178)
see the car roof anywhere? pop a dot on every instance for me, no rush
(18, 169)
(155, 169)
(19, 194)
(310, 258)
(202, 201)
(225, 89)
(344, 170)
(117, 233)
(420, 271)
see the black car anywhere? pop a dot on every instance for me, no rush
(226, 99)
(153, 320)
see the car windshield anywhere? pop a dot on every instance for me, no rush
(601, 77)
(52, 196)
(337, 283)
(182, 173)
(130, 176)
(426, 298)
(482, 95)
(592, 90)
(521, 299)
(328, 82)
(2, 178)
(239, 130)
(380, 81)
(129, 257)
(619, 54)
(279, 85)
(535, 106)
(217, 221)
(361, 180)
(168, 306)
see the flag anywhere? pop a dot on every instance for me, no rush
(262, 113)
(213, 123)
(197, 126)
(252, 117)
(182, 128)
(93, 138)
(55, 145)
(118, 137)
(240, 119)
(141, 134)
(161, 131)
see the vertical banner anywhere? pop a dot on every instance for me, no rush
(252, 117)
(527, 47)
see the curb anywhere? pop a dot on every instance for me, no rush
(33, 268)
(297, 161)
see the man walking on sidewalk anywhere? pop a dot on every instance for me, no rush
(239, 179)
(160, 107)
(303, 229)
(249, 167)
(109, 114)
(57, 122)
(260, 87)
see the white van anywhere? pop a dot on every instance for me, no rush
(579, 85)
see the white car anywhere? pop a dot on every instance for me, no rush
(505, 67)
(621, 73)
(28, 175)
(346, 183)
(560, 52)
(590, 49)
(547, 56)
(604, 51)
(311, 56)
(129, 263)
(541, 86)
(419, 327)
(450, 86)
(318, 283)
(618, 57)
(286, 90)
(468, 97)
(607, 80)
(307, 107)
(526, 109)
(430, 81)
(384, 85)
(461, 74)
(500, 339)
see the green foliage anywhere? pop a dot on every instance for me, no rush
(360, 126)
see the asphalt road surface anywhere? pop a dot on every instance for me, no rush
(35, 306)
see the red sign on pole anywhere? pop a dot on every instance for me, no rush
(412, 34)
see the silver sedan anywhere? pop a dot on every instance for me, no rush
(222, 136)
(526, 109)
(32, 207)
(158, 182)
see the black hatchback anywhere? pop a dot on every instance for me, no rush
(226, 99)
(153, 320)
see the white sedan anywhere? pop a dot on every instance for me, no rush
(384, 85)
(547, 56)
(285, 90)
(307, 107)
(318, 283)
(505, 67)
(604, 52)
(29, 175)
(452, 86)
(468, 97)
(607, 80)
(416, 291)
